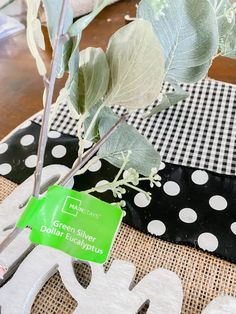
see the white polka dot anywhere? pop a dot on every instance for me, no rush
(5, 169)
(218, 202)
(26, 124)
(27, 140)
(87, 144)
(3, 148)
(54, 134)
(233, 227)
(100, 183)
(59, 151)
(31, 161)
(200, 177)
(162, 165)
(188, 215)
(96, 166)
(207, 241)
(141, 200)
(171, 188)
(156, 227)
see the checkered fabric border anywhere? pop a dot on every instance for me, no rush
(197, 132)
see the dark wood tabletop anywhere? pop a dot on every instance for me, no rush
(21, 87)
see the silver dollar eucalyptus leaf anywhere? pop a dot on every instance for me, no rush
(93, 77)
(229, 49)
(225, 14)
(143, 156)
(52, 11)
(75, 32)
(188, 33)
(136, 63)
(34, 34)
(170, 99)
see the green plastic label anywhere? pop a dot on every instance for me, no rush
(73, 222)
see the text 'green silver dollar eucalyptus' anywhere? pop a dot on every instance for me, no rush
(93, 77)
(136, 62)
(188, 33)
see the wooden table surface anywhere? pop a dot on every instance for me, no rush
(21, 87)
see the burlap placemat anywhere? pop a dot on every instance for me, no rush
(204, 277)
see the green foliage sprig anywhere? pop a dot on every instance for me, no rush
(170, 40)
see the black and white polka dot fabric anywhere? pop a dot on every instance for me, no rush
(198, 132)
(193, 206)
(18, 154)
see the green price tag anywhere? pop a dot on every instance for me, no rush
(73, 222)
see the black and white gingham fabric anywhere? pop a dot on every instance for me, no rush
(198, 132)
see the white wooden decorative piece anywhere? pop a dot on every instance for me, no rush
(11, 209)
(108, 293)
(221, 305)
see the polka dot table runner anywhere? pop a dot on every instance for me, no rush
(194, 207)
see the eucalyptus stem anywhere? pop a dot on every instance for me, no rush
(49, 86)
(80, 163)
(76, 167)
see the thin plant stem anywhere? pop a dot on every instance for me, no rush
(49, 86)
(136, 188)
(77, 166)
(126, 160)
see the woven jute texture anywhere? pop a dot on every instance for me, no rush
(203, 276)
(6, 187)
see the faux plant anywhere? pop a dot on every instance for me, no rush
(168, 41)
(172, 41)
(97, 80)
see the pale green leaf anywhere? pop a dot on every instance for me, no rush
(52, 12)
(191, 74)
(93, 77)
(169, 99)
(188, 33)
(38, 34)
(34, 34)
(230, 44)
(72, 83)
(225, 14)
(143, 156)
(75, 31)
(136, 63)
(84, 21)
(94, 131)
(158, 6)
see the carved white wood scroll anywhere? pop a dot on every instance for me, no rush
(221, 305)
(108, 293)
(11, 209)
